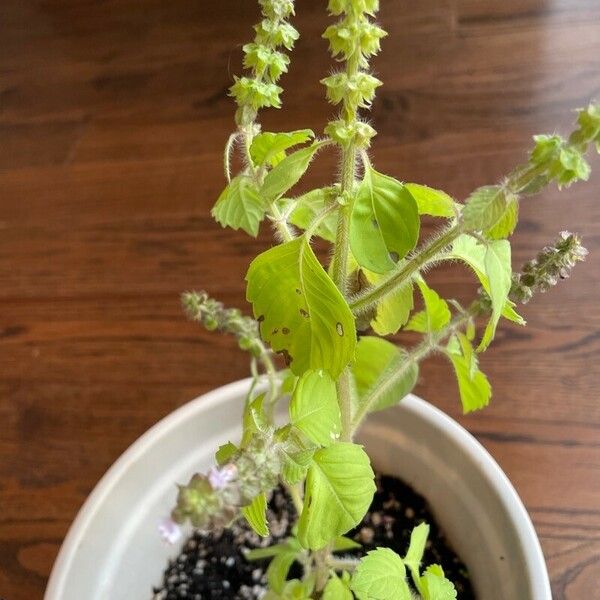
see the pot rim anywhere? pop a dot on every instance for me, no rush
(489, 468)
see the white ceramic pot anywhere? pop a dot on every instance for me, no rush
(113, 551)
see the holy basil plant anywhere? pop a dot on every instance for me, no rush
(326, 322)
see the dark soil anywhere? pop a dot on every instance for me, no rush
(214, 568)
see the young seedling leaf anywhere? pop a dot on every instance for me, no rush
(384, 225)
(435, 586)
(240, 206)
(339, 490)
(337, 589)
(255, 514)
(431, 201)
(309, 206)
(381, 575)
(269, 148)
(314, 408)
(375, 360)
(301, 312)
(416, 549)
(288, 172)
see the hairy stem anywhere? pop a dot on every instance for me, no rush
(398, 277)
(429, 345)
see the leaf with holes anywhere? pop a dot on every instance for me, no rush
(384, 224)
(301, 312)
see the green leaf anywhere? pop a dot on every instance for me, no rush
(288, 172)
(295, 464)
(484, 208)
(416, 548)
(508, 221)
(256, 515)
(298, 590)
(309, 206)
(343, 544)
(302, 313)
(381, 575)
(393, 311)
(339, 491)
(375, 360)
(336, 589)
(436, 315)
(278, 570)
(498, 270)
(225, 453)
(384, 225)
(474, 387)
(253, 420)
(435, 586)
(431, 201)
(314, 408)
(240, 206)
(261, 553)
(473, 253)
(269, 148)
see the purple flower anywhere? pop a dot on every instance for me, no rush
(169, 531)
(219, 478)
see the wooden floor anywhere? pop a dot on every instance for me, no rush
(113, 115)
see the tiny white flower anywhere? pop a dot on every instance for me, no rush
(219, 478)
(169, 531)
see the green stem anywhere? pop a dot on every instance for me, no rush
(430, 344)
(343, 564)
(400, 276)
(321, 561)
(281, 225)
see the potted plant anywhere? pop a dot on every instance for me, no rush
(297, 452)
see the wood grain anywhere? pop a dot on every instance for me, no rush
(112, 120)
